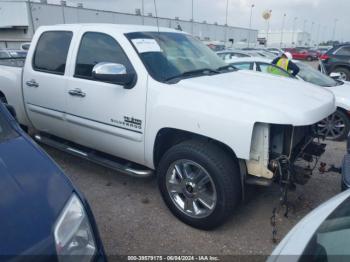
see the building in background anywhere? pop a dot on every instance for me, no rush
(289, 38)
(20, 19)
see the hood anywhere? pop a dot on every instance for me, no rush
(33, 192)
(272, 99)
(342, 95)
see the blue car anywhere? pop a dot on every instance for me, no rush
(42, 215)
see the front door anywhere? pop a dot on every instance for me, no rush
(45, 82)
(101, 115)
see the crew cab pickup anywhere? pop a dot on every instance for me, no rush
(143, 99)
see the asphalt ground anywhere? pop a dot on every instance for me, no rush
(133, 220)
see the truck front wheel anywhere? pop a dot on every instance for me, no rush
(200, 183)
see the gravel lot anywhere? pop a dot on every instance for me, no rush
(133, 220)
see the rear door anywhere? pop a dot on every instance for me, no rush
(44, 82)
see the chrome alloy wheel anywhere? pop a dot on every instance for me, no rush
(191, 188)
(332, 127)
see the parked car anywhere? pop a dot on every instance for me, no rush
(230, 56)
(320, 236)
(9, 53)
(334, 127)
(143, 99)
(337, 60)
(276, 51)
(300, 53)
(42, 214)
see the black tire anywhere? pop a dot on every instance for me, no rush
(309, 58)
(341, 136)
(221, 167)
(344, 71)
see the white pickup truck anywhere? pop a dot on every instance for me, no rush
(139, 99)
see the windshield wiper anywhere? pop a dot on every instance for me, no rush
(197, 72)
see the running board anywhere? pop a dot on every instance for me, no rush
(97, 158)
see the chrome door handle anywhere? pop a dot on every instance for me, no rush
(77, 92)
(32, 83)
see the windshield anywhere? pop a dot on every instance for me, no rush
(331, 240)
(170, 55)
(6, 131)
(311, 75)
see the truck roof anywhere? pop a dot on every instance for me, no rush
(120, 28)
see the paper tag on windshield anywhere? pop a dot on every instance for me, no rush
(144, 45)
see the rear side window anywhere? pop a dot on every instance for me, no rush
(345, 51)
(51, 52)
(95, 48)
(243, 66)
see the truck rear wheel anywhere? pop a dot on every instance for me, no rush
(200, 183)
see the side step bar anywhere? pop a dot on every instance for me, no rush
(95, 157)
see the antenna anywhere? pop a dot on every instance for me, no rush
(155, 10)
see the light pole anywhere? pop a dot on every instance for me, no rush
(334, 29)
(312, 27)
(304, 26)
(192, 19)
(283, 21)
(268, 17)
(294, 22)
(143, 11)
(226, 21)
(250, 22)
(318, 35)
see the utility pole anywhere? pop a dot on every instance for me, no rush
(294, 22)
(282, 29)
(250, 22)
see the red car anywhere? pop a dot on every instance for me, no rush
(302, 53)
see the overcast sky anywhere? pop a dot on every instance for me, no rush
(321, 12)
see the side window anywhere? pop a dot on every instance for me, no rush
(51, 52)
(95, 48)
(239, 55)
(345, 51)
(272, 69)
(243, 66)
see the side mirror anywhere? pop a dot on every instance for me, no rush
(12, 110)
(335, 76)
(113, 73)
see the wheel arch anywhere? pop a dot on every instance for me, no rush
(168, 137)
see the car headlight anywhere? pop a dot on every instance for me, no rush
(73, 234)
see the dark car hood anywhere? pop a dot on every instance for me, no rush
(33, 191)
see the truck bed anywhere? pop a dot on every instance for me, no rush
(11, 86)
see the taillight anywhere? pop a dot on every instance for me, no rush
(324, 57)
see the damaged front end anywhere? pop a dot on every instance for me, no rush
(283, 153)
